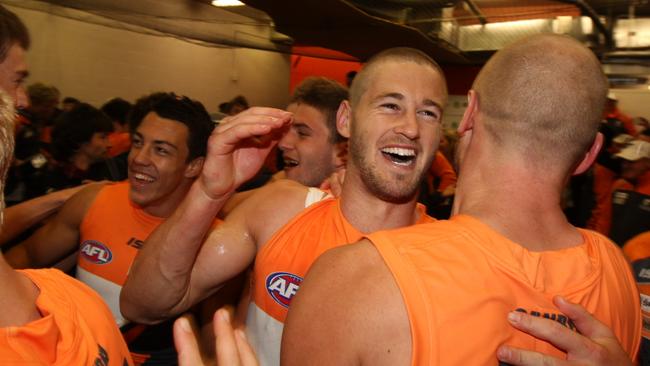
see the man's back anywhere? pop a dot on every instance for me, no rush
(482, 276)
(76, 328)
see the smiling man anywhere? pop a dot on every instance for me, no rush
(393, 124)
(313, 149)
(109, 223)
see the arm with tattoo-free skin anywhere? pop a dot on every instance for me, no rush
(169, 274)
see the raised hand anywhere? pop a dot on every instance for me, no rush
(238, 147)
(231, 346)
(594, 345)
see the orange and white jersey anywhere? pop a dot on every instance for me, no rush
(111, 233)
(282, 263)
(459, 280)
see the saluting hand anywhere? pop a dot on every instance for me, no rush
(238, 146)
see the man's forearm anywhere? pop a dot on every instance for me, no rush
(159, 280)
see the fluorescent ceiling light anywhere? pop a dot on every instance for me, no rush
(227, 3)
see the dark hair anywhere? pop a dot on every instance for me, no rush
(241, 100)
(325, 95)
(76, 127)
(117, 109)
(12, 30)
(182, 109)
(71, 100)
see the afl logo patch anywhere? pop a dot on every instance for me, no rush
(282, 286)
(96, 252)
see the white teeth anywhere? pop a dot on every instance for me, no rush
(143, 177)
(399, 151)
(290, 162)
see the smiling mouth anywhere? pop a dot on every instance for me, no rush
(399, 155)
(143, 178)
(290, 163)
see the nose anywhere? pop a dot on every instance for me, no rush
(287, 142)
(408, 125)
(140, 155)
(22, 101)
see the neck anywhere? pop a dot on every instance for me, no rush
(168, 204)
(368, 213)
(518, 202)
(17, 297)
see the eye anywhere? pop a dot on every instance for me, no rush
(391, 106)
(135, 141)
(162, 151)
(431, 114)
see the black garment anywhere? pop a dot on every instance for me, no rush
(630, 215)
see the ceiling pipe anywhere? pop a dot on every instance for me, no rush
(475, 9)
(591, 13)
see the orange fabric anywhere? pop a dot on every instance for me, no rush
(441, 168)
(459, 279)
(117, 228)
(600, 219)
(120, 143)
(637, 251)
(76, 328)
(295, 247)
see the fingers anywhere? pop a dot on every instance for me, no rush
(519, 357)
(586, 323)
(227, 353)
(247, 126)
(550, 331)
(256, 115)
(245, 350)
(186, 343)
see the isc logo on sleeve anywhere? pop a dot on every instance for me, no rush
(95, 252)
(282, 286)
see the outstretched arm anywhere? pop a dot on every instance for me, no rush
(26, 214)
(58, 238)
(593, 344)
(174, 269)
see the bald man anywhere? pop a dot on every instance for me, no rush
(439, 293)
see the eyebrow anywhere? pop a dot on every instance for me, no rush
(299, 124)
(399, 96)
(157, 142)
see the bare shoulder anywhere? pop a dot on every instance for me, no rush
(271, 207)
(349, 302)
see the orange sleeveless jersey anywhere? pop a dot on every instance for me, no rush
(459, 279)
(637, 251)
(111, 233)
(281, 265)
(76, 328)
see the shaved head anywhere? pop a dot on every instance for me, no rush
(542, 98)
(400, 54)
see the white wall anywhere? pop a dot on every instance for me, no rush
(634, 102)
(95, 63)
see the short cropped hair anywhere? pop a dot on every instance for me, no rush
(325, 95)
(542, 98)
(76, 127)
(40, 93)
(12, 31)
(403, 54)
(182, 109)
